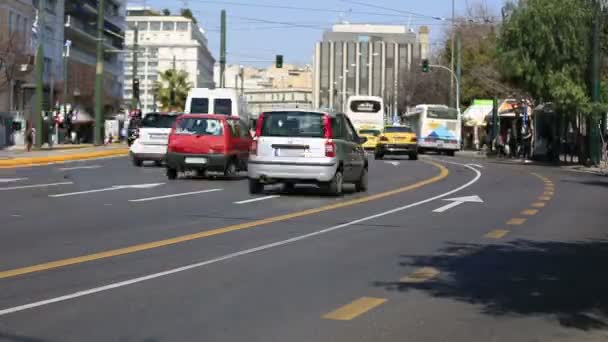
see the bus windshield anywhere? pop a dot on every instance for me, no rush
(442, 113)
(365, 106)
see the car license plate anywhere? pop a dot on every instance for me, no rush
(196, 160)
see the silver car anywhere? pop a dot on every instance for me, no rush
(300, 146)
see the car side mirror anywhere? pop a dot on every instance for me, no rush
(362, 140)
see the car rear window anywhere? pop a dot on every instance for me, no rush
(199, 126)
(155, 120)
(293, 124)
(398, 129)
(199, 106)
(370, 132)
(222, 106)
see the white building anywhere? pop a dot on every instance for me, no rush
(161, 41)
(361, 59)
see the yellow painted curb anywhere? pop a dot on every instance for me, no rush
(35, 161)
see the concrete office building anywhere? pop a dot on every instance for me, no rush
(163, 40)
(358, 59)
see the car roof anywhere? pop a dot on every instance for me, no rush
(162, 113)
(301, 110)
(209, 116)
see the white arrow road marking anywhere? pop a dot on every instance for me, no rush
(115, 187)
(458, 201)
(80, 167)
(394, 163)
(257, 199)
(35, 186)
(10, 180)
(174, 195)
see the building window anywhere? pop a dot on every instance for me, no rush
(168, 26)
(182, 26)
(152, 78)
(131, 25)
(142, 26)
(155, 26)
(152, 64)
(153, 52)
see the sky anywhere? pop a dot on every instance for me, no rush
(258, 30)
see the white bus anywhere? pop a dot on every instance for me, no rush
(365, 111)
(438, 128)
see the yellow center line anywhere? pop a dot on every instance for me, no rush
(516, 221)
(548, 193)
(496, 234)
(354, 309)
(544, 198)
(421, 275)
(539, 205)
(208, 233)
(530, 212)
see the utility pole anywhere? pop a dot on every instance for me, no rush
(594, 134)
(37, 119)
(135, 99)
(172, 88)
(459, 67)
(223, 50)
(452, 49)
(494, 120)
(66, 56)
(99, 119)
(242, 81)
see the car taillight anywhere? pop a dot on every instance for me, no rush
(383, 138)
(414, 139)
(258, 127)
(330, 149)
(253, 148)
(327, 127)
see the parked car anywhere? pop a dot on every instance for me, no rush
(397, 140)
(208, 142)
(152, 140)
(301, 146)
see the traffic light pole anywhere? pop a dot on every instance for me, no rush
(134, 97)
(37, 119)
(455, 80)
(223, 50)
(99, 119)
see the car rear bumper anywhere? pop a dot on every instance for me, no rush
(147, 152)
(397, 148)
(282, 171)
(213, 162)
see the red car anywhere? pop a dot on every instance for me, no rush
(208, 142)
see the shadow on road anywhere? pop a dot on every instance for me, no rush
(565, 281)
(15, 338)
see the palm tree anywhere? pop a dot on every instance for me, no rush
(172, 90)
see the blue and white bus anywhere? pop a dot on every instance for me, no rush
(438, 128)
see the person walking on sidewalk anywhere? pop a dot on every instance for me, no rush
(29, 136)
(527, 143)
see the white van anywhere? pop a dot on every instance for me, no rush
(217, 101)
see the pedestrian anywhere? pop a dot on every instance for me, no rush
(527, 143)
(508, 143)
(29, 136)
(68, 125)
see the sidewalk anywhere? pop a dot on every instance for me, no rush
(19, 157)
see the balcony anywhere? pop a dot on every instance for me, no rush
(88, 34)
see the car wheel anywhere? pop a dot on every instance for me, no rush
(138, 162)
(171, 174)
(334, 187)
(255, 187)
(158, 163)
(361, 185)
(288, 187)
(451, 153)
(414, 156)
(231, 169)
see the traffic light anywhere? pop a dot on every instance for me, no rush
(279, 62)
(136, 88)
(425, 65)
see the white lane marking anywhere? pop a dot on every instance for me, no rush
(257, 199)
(112, 188)
(10, 180)
(394, 163)
(124, 283)
(80, 167)
(35, 186)
(458, 201)
(476, 165)
(174, 195)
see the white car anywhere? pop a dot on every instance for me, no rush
(153, 138)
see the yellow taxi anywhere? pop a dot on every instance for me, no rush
(372, 134)
(397, 140)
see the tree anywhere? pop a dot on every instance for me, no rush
(187, 13)
(172, 89)
(422, 87)
(544, 48)
(13, 55)
(166, 12)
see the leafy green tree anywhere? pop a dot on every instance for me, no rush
(187, 13)
(172, 90)
(166, 12)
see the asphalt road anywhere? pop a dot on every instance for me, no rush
(103, 251)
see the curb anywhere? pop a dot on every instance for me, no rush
(36, 161)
